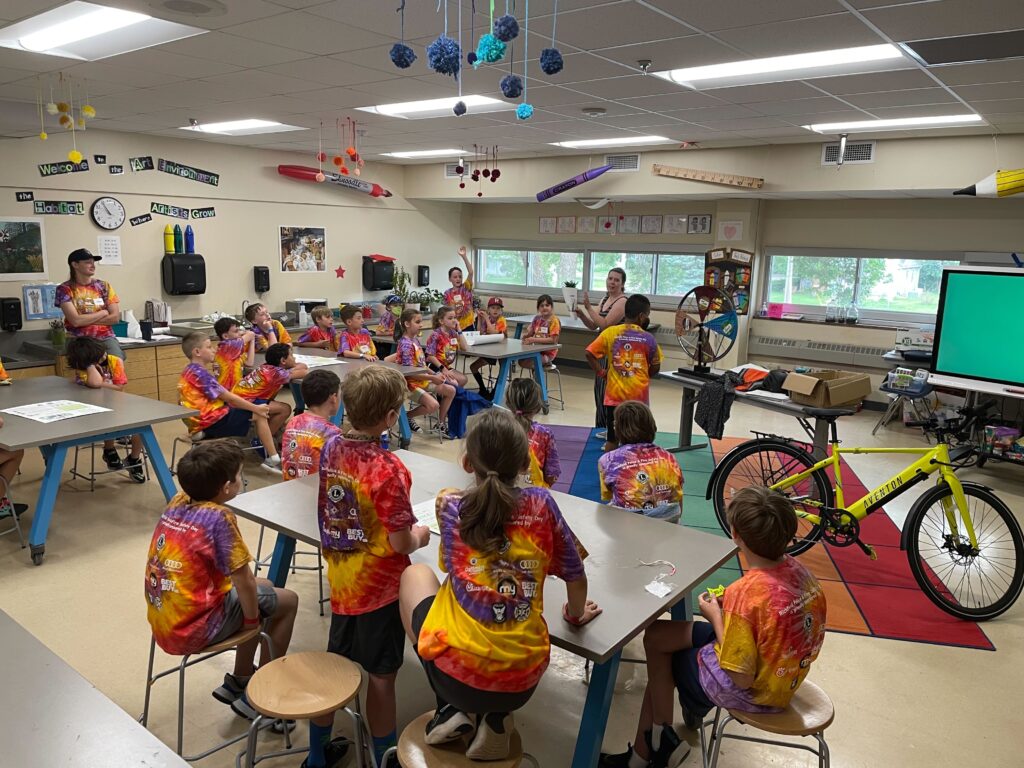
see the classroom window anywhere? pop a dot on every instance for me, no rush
(678, 273)
(639, 270)
(502, 267)
(530, 268)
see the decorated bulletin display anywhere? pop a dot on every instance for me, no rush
(728, 270)
(625, 224)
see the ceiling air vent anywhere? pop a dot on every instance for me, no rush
(856, 152)
(623, 163)
(450, 173)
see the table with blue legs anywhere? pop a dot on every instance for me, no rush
(127, 415)
(508, 351)
(571, 323)
(616, 541)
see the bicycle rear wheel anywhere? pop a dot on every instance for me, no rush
(766, 462)
(975, 585)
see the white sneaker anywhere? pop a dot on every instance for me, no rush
(448, 724)
(272, 464)
(493, 737)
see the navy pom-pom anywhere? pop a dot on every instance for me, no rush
(512, 86)
(460, 108)
(506, 28)
(471, 58)
(551, 61)
(402, 56)
(444, 56)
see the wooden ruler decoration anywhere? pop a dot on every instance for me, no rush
(710, 177)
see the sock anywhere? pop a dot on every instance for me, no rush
(382, 744)
(319, 736)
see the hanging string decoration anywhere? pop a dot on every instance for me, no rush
(495, 173)
(489, 49)
(402, 56)
(444, 55)
(506, 28)
(86, 110)
(512, 86)
(551, 62)
(525, 110)
(459, 107)
(74, 155)
(352, 151)
(471, 56)
(320, 156)
(51, 105)
(39, 109)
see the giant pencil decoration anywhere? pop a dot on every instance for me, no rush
(575, 181)
(356, 185)
(999, 184)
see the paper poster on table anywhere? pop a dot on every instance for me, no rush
(108, 248)
(303, 249)
(38, 301)
(22, 252)
(54, 410)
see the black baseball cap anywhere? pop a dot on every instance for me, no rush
(82, 254)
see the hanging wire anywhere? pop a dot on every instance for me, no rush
(526, 46)
(401, 10)
(458, 75)
(554, 23)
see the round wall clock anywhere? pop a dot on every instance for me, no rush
(107, 213)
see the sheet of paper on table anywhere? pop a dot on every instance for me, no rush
(312, 361)
(126, 340)
(54, 410)
(426, 514)
(769, 395)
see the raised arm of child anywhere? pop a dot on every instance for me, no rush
(469, 264)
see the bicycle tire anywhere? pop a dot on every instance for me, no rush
(943, 563)
(777, 460)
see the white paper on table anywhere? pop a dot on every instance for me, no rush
(54, 410)
(163, 337)
(312, 361)
(768, 395)
(474, 338)
(426, 514)
(126, 340)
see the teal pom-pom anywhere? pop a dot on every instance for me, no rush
(524, 111)
(506, 28)
(489, 50)
(444, 56)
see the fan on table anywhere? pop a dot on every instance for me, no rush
(706, 325)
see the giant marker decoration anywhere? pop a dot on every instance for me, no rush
(998, 184)
(304, 173)
(575, 181)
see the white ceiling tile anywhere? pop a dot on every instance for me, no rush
(674, 53)
(218, 46)
(897, 80)
(800, 106)
(10, 75)
(682, 99)
(900, 98)
(753, 124)
(1000, 106)
(556, 95)
(611, 108)
(377, 57)
(33, 62)
(727, 14)
(948, 18)
(298, 4)
(238, 12)
(308, 33)
(725, 112)
(787, 131)
(183, 67)
(841, 30)
(987, 72)
(921, 110)
(629, 87)
(645, 120)
(338, 98)
(844, 116)
(407, 89)
(609, 25)
(580, 67)
(380, 18)
(107, 71)
(324, 70)
(973, 93)
(755, 94)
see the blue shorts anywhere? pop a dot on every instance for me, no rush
(234, 424)
(686, 674)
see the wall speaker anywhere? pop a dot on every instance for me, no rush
(261, 279)
(422, 275)
(10, 314)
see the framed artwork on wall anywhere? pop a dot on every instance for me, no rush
(629, 225)
(698, 224)
(22, 251)
(675, 224)
(547, 225)
(650, 225)
(38, 301)
(303, 249)
(566, 225)
(586, 225)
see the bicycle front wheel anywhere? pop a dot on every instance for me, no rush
(971, 584)
(767, 462)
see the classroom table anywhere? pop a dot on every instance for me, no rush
(128, 415)
(567, 323)
(54, 716)
(505, 352)
(614, 538)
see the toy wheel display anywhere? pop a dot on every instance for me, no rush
(706, 325)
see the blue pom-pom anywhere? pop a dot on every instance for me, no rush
(471, 57)
(512, 86)
(489, 50)
(524, 111)
(444, 56)
(551, 62)
(402, 56)
(460, 108)
(506, 28)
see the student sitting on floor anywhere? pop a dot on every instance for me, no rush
(523, 399)
(268, 331)
(753, 652)
(236, 350)
(305, 435)
(410, 352)
(443, 346)
(355, 340)
(264, 382)
(640, 475)
(96, 368)
(481, 635)
(200, 588)
(367, 531)
(10, 462)
(221, 413)
(323, 334)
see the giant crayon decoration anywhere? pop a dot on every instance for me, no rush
(356, 185)
(998, 184)
(575, 181)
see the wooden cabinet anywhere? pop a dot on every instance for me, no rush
(32, 373)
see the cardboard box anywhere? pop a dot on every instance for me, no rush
(827, 389)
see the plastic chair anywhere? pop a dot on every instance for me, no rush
(917, 398)
(414, 752)
(15, 514)
(93, 473)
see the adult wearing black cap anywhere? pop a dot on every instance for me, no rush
(90, 305)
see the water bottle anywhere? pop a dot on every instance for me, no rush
(303, 317)
(385, 440)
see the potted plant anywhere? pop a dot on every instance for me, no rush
(436, 299)
(570, 293)
(401, 283)
(58, 334)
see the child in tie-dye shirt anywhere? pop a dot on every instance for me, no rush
(443, 346)
(755, 648)
(235, 350)
(523, 399)
(355, 340)
(199, 586)
(268, 331)
(460, 296)
(481, 635)
(305, 434)
(323, 334)
(367, 531)
(634, 358)
(640, 475)
(422, 389)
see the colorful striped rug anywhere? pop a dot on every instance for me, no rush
(878, 598)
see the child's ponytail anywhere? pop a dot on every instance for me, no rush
(523, 399)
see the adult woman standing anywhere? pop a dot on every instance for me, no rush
(610, 311)
(90, 305)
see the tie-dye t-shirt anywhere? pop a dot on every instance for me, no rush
(544, 466)
(4, 375)
(546, 326)
(317, 334)
(198, 389)
(195, 548)
(303, 440)
(631, 352)
(444, 345)
(410, 352)
(461, 300)
(283, 337)
(357, 342)
(228, 362)
(364, 497)
(89, 298)
(640, 476)
(486, 626)
(113, 372)
(774, 626)
(386, 323)
(262, 383)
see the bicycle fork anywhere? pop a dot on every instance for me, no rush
(953, 504)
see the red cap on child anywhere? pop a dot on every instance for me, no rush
(494, 301)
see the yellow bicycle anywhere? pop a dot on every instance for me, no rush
(965, 546)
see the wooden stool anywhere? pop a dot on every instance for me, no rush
(809, 713)
(414, 752)
(303, 686)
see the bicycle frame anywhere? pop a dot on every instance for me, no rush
(932, 460)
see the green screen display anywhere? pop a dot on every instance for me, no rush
(977, 335)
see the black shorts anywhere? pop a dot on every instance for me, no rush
(235, 423)
(609, 422)
(686, 673)
(374, 640)
(461, 696)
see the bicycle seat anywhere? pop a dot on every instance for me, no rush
(828, 414)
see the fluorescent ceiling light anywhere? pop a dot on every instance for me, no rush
(624, 141)
(418, 110)
(86, 31)
(798, 66)
(247, 127)
(935, 121)
(426, 153)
